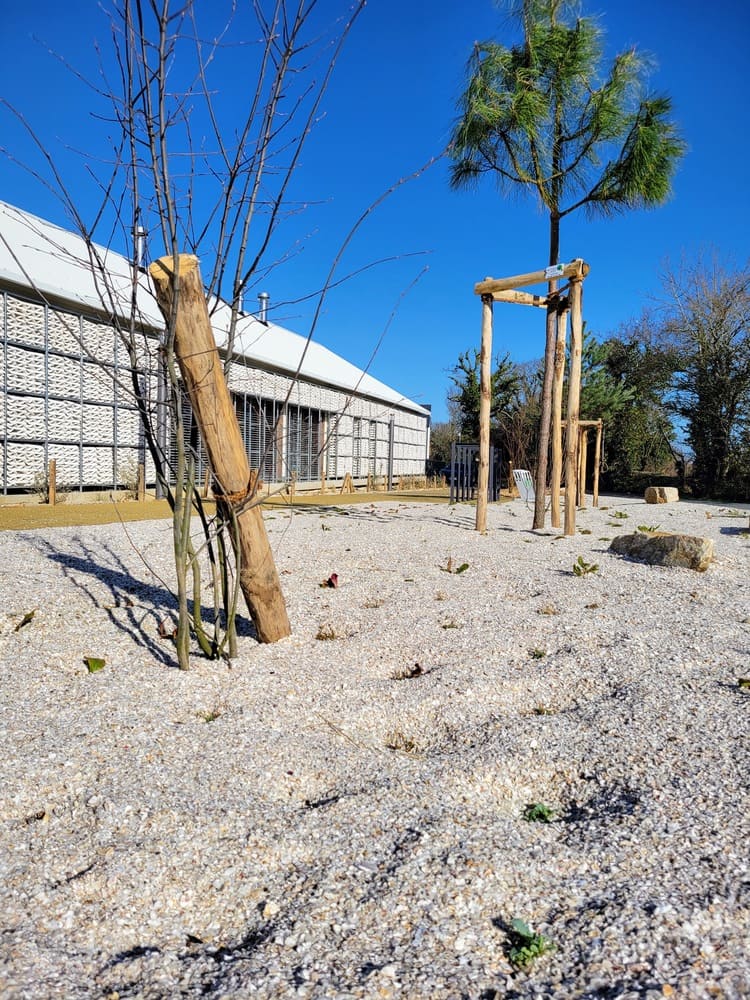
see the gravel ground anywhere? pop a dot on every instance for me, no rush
(311, 821)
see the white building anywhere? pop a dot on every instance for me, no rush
(66, 379)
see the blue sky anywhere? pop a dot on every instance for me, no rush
(389, 109)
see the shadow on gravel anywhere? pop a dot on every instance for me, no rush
(133, 601)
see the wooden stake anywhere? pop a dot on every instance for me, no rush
(182, 295)
(583, 444)
(557, 394)
(52, 482)
(597, 461)
(485, 382)
(140, 489)
(574, 399)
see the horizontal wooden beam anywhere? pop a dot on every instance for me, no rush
(586, 423)
(521, 298)
(575, 269)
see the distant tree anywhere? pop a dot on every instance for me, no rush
(442, 435)
(706, 326)
(638, 432)
(465, 395)
(541, 117)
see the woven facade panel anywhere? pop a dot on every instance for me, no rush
(98, 341)
(64, 420)
(63, 332)
(64, 376)
(25, 322)
(25, 461)
(25, 370)
(98, 383)
(128, 428)
(98, 424)
(26, 417)
(67, 458)
(98, 466)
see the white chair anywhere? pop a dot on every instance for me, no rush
(525, 484)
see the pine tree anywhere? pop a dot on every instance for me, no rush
(542, 117)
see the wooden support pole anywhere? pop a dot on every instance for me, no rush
(181, 296)
(140, 489)
(520, 298)
(576, 269)
(597, 461)
(557, 395)
(574, 400)
(52, 482)
(485, 389)
(583, 444)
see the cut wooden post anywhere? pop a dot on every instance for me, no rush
(181, 297)
(485, 383)
(583, 444)
(575, 269)
(140, 489)
(206, 483)
(597, 461)
(557, 395)
(574, 399)
(52, 482)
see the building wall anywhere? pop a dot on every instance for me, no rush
(66, 393)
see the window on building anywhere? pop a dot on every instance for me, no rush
(258, 420)
(303, 442)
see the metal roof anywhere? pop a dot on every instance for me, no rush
(55, 263)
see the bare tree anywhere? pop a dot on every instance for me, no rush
(186, 172)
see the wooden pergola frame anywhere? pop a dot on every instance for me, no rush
(493, 290)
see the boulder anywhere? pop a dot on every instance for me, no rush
(662, 494)
(660, 548)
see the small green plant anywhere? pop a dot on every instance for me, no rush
(619, 514)
(448, 568)
(584, 531)
(743, 682)
(94, 663)
(648, 529)
(582, 568)
(28, 617)
(211, 714)
(537, 654)
(543, 710)
(538, 812)
(525, 945)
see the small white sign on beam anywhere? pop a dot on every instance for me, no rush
(554, 271)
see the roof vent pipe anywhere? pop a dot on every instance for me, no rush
(139, 234)
(263, 299)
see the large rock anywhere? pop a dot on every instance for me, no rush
(664, 549)
(662, 494)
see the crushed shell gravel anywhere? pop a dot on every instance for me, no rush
(325, 818)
